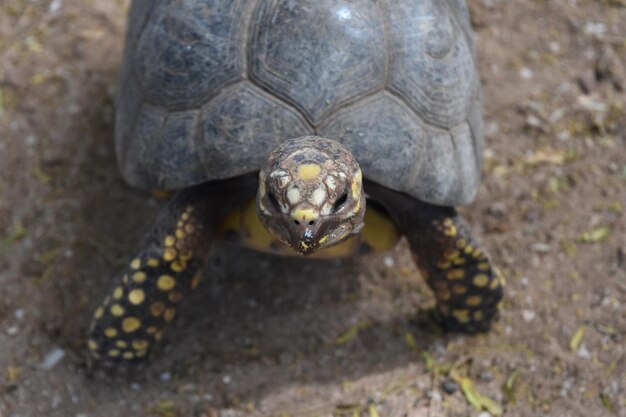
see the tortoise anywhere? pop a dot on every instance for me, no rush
(296, 115)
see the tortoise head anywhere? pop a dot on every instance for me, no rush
(310, 194)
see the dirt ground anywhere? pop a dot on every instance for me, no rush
(268, 337)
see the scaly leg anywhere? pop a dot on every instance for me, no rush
(466, 285)
(169, 263)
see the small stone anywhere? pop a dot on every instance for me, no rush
(528, 315)
(484, 414)
(135, 386)
(165, 376)
(19, 313)
(13, 330)
(540, 247)
(226, 379)
(587, 81)
(486, 376)
(526, 73)
(449, 386)
(583, 352)
(435, 396)
(524, 281)
(388, 261)
(52, 359)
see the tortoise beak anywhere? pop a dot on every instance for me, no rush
(303, 239)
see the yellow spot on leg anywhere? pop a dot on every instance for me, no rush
(461, 315)
(153, 262)
(140, 344)
(117, 310)
(157, 308)
(474, 300)
(307, 172)
(110, 332)
(166, 283)
(169, 254)
(195, 281)
(139, 277)
(136, 296)
(121, 344)
(128, 355)
(455, 274)
(130, 324)
(478, 315)
(92, 345)
(178, 266)
(135, 263)
(305, 215)
(169, 314)
(169, 240)
(118, 293)
(114, 353)
(459, 289)
(151, 329)
(481, 280)
(98, 313)
(175, 297)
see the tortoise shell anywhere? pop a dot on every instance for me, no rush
(210, 87)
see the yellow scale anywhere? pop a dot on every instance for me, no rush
(379, 234)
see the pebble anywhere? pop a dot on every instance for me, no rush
(484, 414)
(540, 247)
(528, 315)
(449, 386)
(135, 386)
(583, 352)
(226, 379)
(165, 376)
(435, 396)
(388, 261)
(13, 330)
(52, 359)
(486, 376)
(19, 313)
(524, 281)
(526, 73)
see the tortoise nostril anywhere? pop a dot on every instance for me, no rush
(296, 222)
(311, 223)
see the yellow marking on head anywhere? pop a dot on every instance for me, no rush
(153, 262)
(357, 206)
(307, 172)
(136, 296)
(262, 188)
(117, 310)
(151, 329)
(92, 345)
(139, 277)
(461, 315)
(169, 241)
(481, 280)
(324, 239)
(98, 313)
(140, 344)
(293, 195)
(175, 296)
(195, 281)
(169, 254)
(118, 293)
(318, 196)
(110, 332)
(474, 300)
(128, 355)
(114, 352)
(169, 314)
(121, 344)
(157, 308)
(304, 214)
(456, 273)
(135, 263)
(478, 315)
(178, 266)
(130, 324)
(355, 187)
(165, 283)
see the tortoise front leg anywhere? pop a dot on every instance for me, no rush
(466, 285)
(168, 264)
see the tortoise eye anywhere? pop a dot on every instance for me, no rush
(274, 201)
(340, 202)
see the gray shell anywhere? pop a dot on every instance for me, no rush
(210, 87)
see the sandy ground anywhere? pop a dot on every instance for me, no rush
(268, 337)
